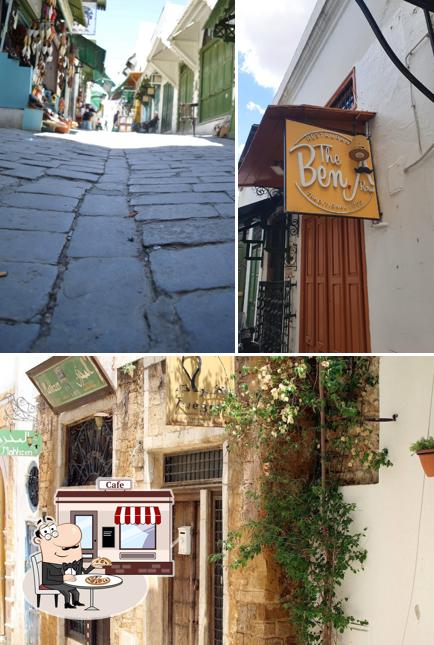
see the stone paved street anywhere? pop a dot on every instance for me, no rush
(116, 243)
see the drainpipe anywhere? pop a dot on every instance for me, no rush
(430, 27)
(391, 54)
(5, 28)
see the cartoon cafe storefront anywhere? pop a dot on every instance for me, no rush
(132, 528)
(303, 274)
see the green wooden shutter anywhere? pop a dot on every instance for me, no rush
(217, 73)
(186, 81)
(166, 118)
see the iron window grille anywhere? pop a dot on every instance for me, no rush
(190, 467)
(274, 316)
(33, 486)
(89, 452)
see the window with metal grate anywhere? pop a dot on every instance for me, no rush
(189, 467)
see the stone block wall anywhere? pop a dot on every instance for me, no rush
(128, 461)
(47, 426)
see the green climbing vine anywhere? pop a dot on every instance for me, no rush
(307, 418)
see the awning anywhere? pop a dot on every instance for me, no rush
(267, 147)
(89, 53)
(129, 84)
(257, 213)
(185, 39)
(77, 11)
(103, 80)
(137, 515)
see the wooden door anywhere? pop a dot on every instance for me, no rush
(186, 83)
(217, 75)
(334, 314)
(184, 587)
(87, 632)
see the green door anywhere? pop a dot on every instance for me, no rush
(166, 118)
(186, 80)
(217, 74)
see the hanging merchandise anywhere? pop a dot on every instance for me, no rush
(43, 35)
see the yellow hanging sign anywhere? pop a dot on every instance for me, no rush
(329, 173)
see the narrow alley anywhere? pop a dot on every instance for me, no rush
(116, 240)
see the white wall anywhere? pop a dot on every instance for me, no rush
(399, 255)
(390, 510)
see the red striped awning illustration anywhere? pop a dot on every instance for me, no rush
(137, 515)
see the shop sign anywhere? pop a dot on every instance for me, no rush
(329, 173)
(103, 483)
(90, 11)
(20, 443)
(68, 381)
(195, 384)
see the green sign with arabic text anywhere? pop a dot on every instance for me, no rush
(20, 443)
(68, 380)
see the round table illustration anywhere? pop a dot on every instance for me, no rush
(80, 583)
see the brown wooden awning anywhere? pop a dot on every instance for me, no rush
(267, 147)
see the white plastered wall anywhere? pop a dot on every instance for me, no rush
(382, 593)
(399, 255)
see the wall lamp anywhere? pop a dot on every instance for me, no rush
(99, 419)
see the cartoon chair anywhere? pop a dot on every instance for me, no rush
(40, 589)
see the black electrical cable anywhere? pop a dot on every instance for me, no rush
(430, 27)
(389, 51)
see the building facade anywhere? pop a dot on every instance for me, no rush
(61, 71)
(191, 64)
(19, 489)
(156, 429)
(320, 283)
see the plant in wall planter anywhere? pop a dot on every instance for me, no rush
(424, 448)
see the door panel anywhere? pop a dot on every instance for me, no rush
(184, 587)
(334, 313)
(186, 82)
(217, 70)
(88, 523)
(87, 632)
(166, 118)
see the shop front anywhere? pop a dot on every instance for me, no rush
(45, 69)
(37, 64)
(302, 156)
(348, 282)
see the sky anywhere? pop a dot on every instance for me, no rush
(118, 29)
(267, 34)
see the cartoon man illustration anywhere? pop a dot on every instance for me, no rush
(62, 558)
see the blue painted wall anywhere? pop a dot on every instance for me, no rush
(16, 83)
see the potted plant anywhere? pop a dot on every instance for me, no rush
(424, 448)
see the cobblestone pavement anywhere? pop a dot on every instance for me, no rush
(116, 243)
